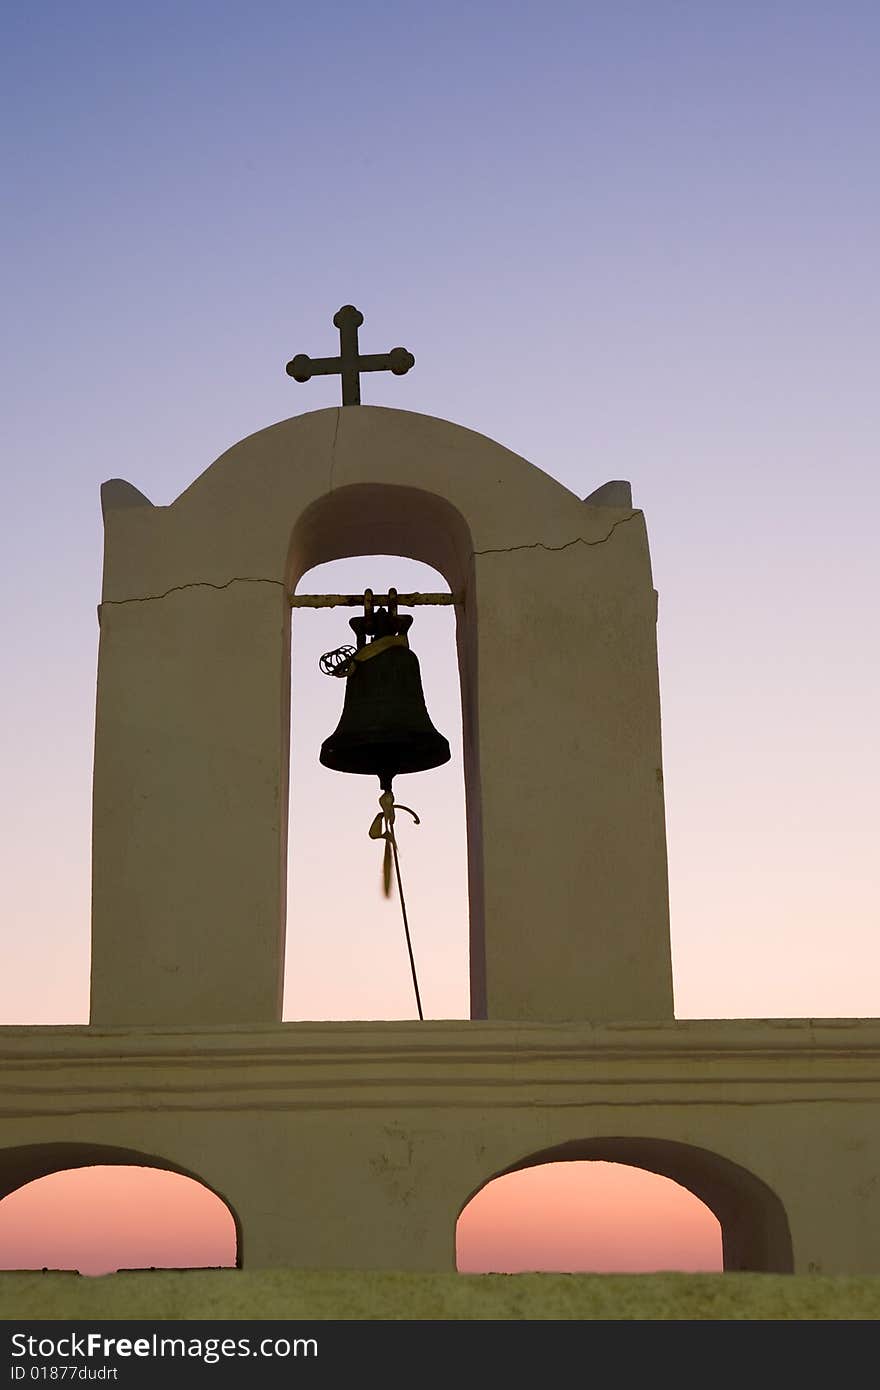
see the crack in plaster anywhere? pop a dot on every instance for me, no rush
(251, 579)
(539, 545)
(194, 584)
(333, 448)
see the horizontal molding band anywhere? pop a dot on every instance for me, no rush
(367, 1044)
(396, 1104)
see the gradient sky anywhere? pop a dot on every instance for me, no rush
(627, 240)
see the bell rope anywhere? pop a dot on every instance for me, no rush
(382, 828)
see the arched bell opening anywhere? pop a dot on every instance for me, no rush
(346, 952)
(748, 1216)
(99, 1208)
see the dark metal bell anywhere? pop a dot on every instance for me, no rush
(385, 727)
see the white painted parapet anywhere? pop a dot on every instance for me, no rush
(355, 1145)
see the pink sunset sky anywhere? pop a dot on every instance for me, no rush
(627, 241)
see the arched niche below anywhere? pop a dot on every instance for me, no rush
(587, 1217)
(25, 1165)
(754, 1225)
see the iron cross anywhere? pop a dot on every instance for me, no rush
(349, 364)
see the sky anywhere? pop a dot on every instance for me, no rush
(626, 240)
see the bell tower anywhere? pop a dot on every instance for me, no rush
(556, 636)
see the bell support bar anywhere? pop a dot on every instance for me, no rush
(357, 600)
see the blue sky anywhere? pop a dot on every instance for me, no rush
(627, 240)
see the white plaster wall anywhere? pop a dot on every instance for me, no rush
(357, 1145)
(557, 644)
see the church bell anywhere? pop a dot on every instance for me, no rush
(385, 728)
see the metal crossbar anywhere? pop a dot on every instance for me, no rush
(357, 600)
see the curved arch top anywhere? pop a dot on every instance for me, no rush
(383, 519)
(334, 446)
(560, 701)
(236, 517)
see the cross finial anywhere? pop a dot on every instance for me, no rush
(349, 364)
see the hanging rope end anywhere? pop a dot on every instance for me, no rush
(386, 870)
